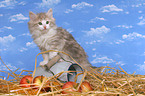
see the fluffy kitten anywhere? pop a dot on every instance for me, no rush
(48, 36)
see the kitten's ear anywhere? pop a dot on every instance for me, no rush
(32, 16)
(50, 13)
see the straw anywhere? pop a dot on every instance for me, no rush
(110, 82)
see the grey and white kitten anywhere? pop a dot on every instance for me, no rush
(48, 36)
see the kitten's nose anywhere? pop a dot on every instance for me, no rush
(44, 27)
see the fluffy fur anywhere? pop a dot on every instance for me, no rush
(48, 36)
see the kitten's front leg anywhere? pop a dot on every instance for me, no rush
(45, 59)
(52, 55)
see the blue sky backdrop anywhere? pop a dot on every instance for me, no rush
(111, 31)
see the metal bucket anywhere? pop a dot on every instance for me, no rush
(59, 67)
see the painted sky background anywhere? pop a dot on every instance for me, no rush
(111, 31)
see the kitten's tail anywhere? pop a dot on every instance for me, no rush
(98, 69)
(89, 67)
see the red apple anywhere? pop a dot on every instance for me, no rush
(26, 81)
(85, 87)
(38, 80)
(71, 85)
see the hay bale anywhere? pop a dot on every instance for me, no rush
(110, 82)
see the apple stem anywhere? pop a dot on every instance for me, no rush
(41, 78)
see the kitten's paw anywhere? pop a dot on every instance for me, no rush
(43, 63)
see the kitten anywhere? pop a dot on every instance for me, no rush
(48, 36)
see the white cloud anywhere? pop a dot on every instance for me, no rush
(1, 15)
(104, 60)
(95, 55)
(141, 17)
(121, 63)
(110, 8)
(7, 39)
(70, 30)
(133, 35)
(98, 31)
(10, 66)
(142, 20)
(8, 3)
(66, 23)
(91, 42)
(4, 49)
(68, 11)
(94, 49)
(30, 44)
(119, 41)
(18, 17)
(139, 11)
(6, 42)
(5, 27)
(137, 5)
(126, 12)
(48, 3)
(97, 18)
(22, 3)
(82, 5)
(23, 49)
(124, 26)
(25, 34)
(141, 67)
(98, 41)
(114, 13)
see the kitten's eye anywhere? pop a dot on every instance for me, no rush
(40, 23)
(47, 22)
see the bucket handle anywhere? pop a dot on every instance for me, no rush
(53, 51)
